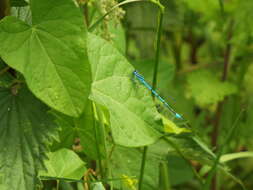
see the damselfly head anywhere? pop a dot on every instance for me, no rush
(136, 73)
(178, 116)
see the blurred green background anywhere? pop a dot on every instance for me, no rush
(206, 65)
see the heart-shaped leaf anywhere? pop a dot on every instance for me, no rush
(64, 163)
(134, 119)
(50, 53)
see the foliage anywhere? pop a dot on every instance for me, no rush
(73, 115)
(206, 88)
(73, 166)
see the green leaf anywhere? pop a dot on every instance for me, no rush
(208, 8)
(22, 13)
(82, 128)
(26, 130)
(248, 80)
(192, 148)
(64, 163)
(207, 89)
(171, 127)
(50, 53)
(118, 36)
(133, 117)
(97, 186)
(237, 155)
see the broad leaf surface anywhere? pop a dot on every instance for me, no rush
(64, 163)
(50, 53)
(134, 119)
(26, 130)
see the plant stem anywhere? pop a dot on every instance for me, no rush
(221, 148)
(57, 184)
(157, 56)
(143, 163)
(93, 26)
(100, 118)
(221, 3)
(215, 132)
(86, 14)
(227, 53)
(180, 153)
(4, 8)
(164, 179)
(176, 48)
(97, 141)
(158, 42)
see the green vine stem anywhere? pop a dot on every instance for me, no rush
(181, 154)
(93, 107)
(103, 135)
(57, 184)
(143, 163)
(157, 56)
(158, 42)
(221, 3)
(93, 26)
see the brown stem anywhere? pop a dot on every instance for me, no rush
(223, 78)
(195, 43)
(4, 8)
(176, 48)
(216, 123)
(86, 14)
(227, 52)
